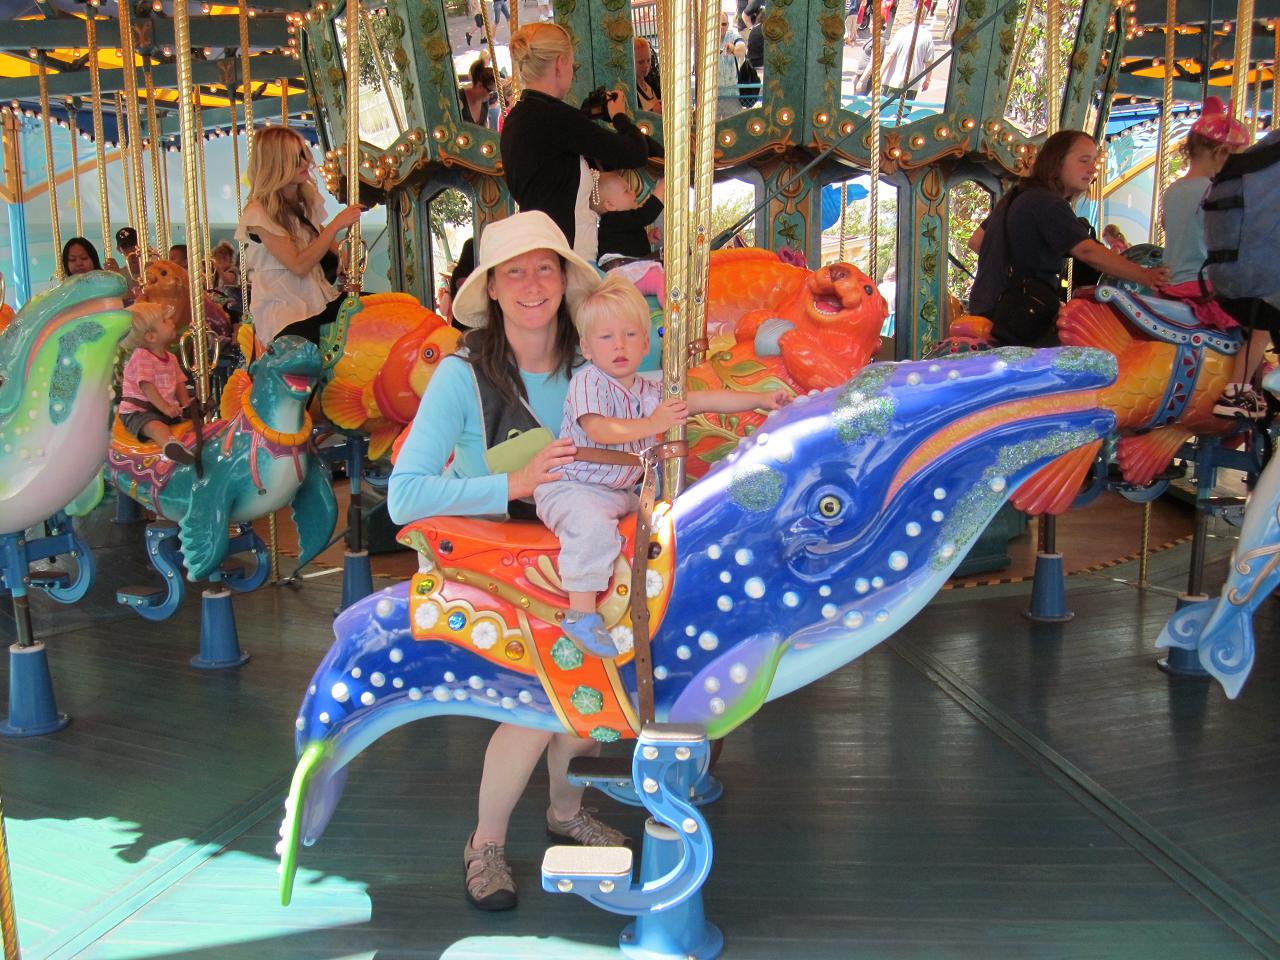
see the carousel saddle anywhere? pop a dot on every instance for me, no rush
(1169, 321)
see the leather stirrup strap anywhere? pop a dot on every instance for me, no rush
(643, 657)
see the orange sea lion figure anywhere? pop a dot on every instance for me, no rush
(771, 325)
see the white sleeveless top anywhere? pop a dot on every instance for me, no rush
(278, 296)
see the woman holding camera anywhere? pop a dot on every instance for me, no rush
(546, 143)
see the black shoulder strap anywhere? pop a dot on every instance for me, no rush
(1250, 161)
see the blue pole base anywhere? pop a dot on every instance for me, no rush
(357, 577)
(1178, 662)
(680, 933)
(1049, 591)
(32, 710)
(127, 509)
(219, 642)
(707, 790)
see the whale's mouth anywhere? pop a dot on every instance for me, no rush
(297, 383)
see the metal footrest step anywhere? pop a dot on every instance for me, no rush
(604, 868)
(140, 594)
(600, 772)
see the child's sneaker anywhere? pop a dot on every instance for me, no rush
(1240, 401)
(588, 632)
(176, 452)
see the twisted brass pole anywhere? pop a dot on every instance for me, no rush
(1161, 177)
(353, 142)
(493, 56)
(74, 127)
(1240, 64)
(126, 170)
(191, 146)
(51, 174)
(134, 123)
(1054, 108)
(707, 32)
(99, 143)
(8, 915)
(677, 68)
(158, 186)
(380, 61)
(877, 55)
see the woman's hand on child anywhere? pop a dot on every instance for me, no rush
(1157, 277)
(543, 468)
(668, 414)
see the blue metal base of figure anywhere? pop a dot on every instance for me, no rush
(357, 577)
(219, 642)
(680, 932)
(32, 710)
(127, 509)
(1049, 591)
(1179, 662)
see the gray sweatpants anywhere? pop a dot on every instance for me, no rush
(584, 516)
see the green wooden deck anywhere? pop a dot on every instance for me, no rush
(980, 787)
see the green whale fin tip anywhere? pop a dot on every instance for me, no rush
(314, 754)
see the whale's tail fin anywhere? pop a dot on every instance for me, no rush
(1222, 633)
(313, 796)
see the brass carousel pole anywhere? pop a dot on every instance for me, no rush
(1161, 177)
(1240, 63)
(191, 147)
(47, 122)
(1054, 106)
(707, 32)
(158, 185)
(284, 99)
(74, 127)
(352, 121)
(134, 123)
(126, 170)
(99, 143)
(877, 55)
(203, 225)
(8, 916)
(1257, 99)
(677, 69)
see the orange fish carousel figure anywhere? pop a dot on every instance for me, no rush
(392, 350)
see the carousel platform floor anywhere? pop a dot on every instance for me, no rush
(978, 787)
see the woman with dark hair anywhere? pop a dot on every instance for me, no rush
(1023, 245)
(468, 454)
(478, 102)
(79, 256)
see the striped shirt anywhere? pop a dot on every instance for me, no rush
(593, 391)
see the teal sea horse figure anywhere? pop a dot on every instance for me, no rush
(56, 363)
(256, 458)
(813, 541)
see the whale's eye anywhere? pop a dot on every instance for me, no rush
(830, 506)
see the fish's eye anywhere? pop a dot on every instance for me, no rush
(429, 354)
(868, 289)
(830, 506)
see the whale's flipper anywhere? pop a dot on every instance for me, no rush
(1225, 643)
(315, 511)
(88, 498)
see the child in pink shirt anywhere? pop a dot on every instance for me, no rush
(155, 388)
(610, 406)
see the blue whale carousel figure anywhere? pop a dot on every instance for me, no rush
(815, 540)
(56, 361)
(255, 458)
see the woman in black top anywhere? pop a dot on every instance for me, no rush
(546, 143)
(1033, 229)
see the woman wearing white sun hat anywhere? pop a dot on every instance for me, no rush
(511, 377)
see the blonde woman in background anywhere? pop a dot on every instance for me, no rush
(546, 143)
(291, 261)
